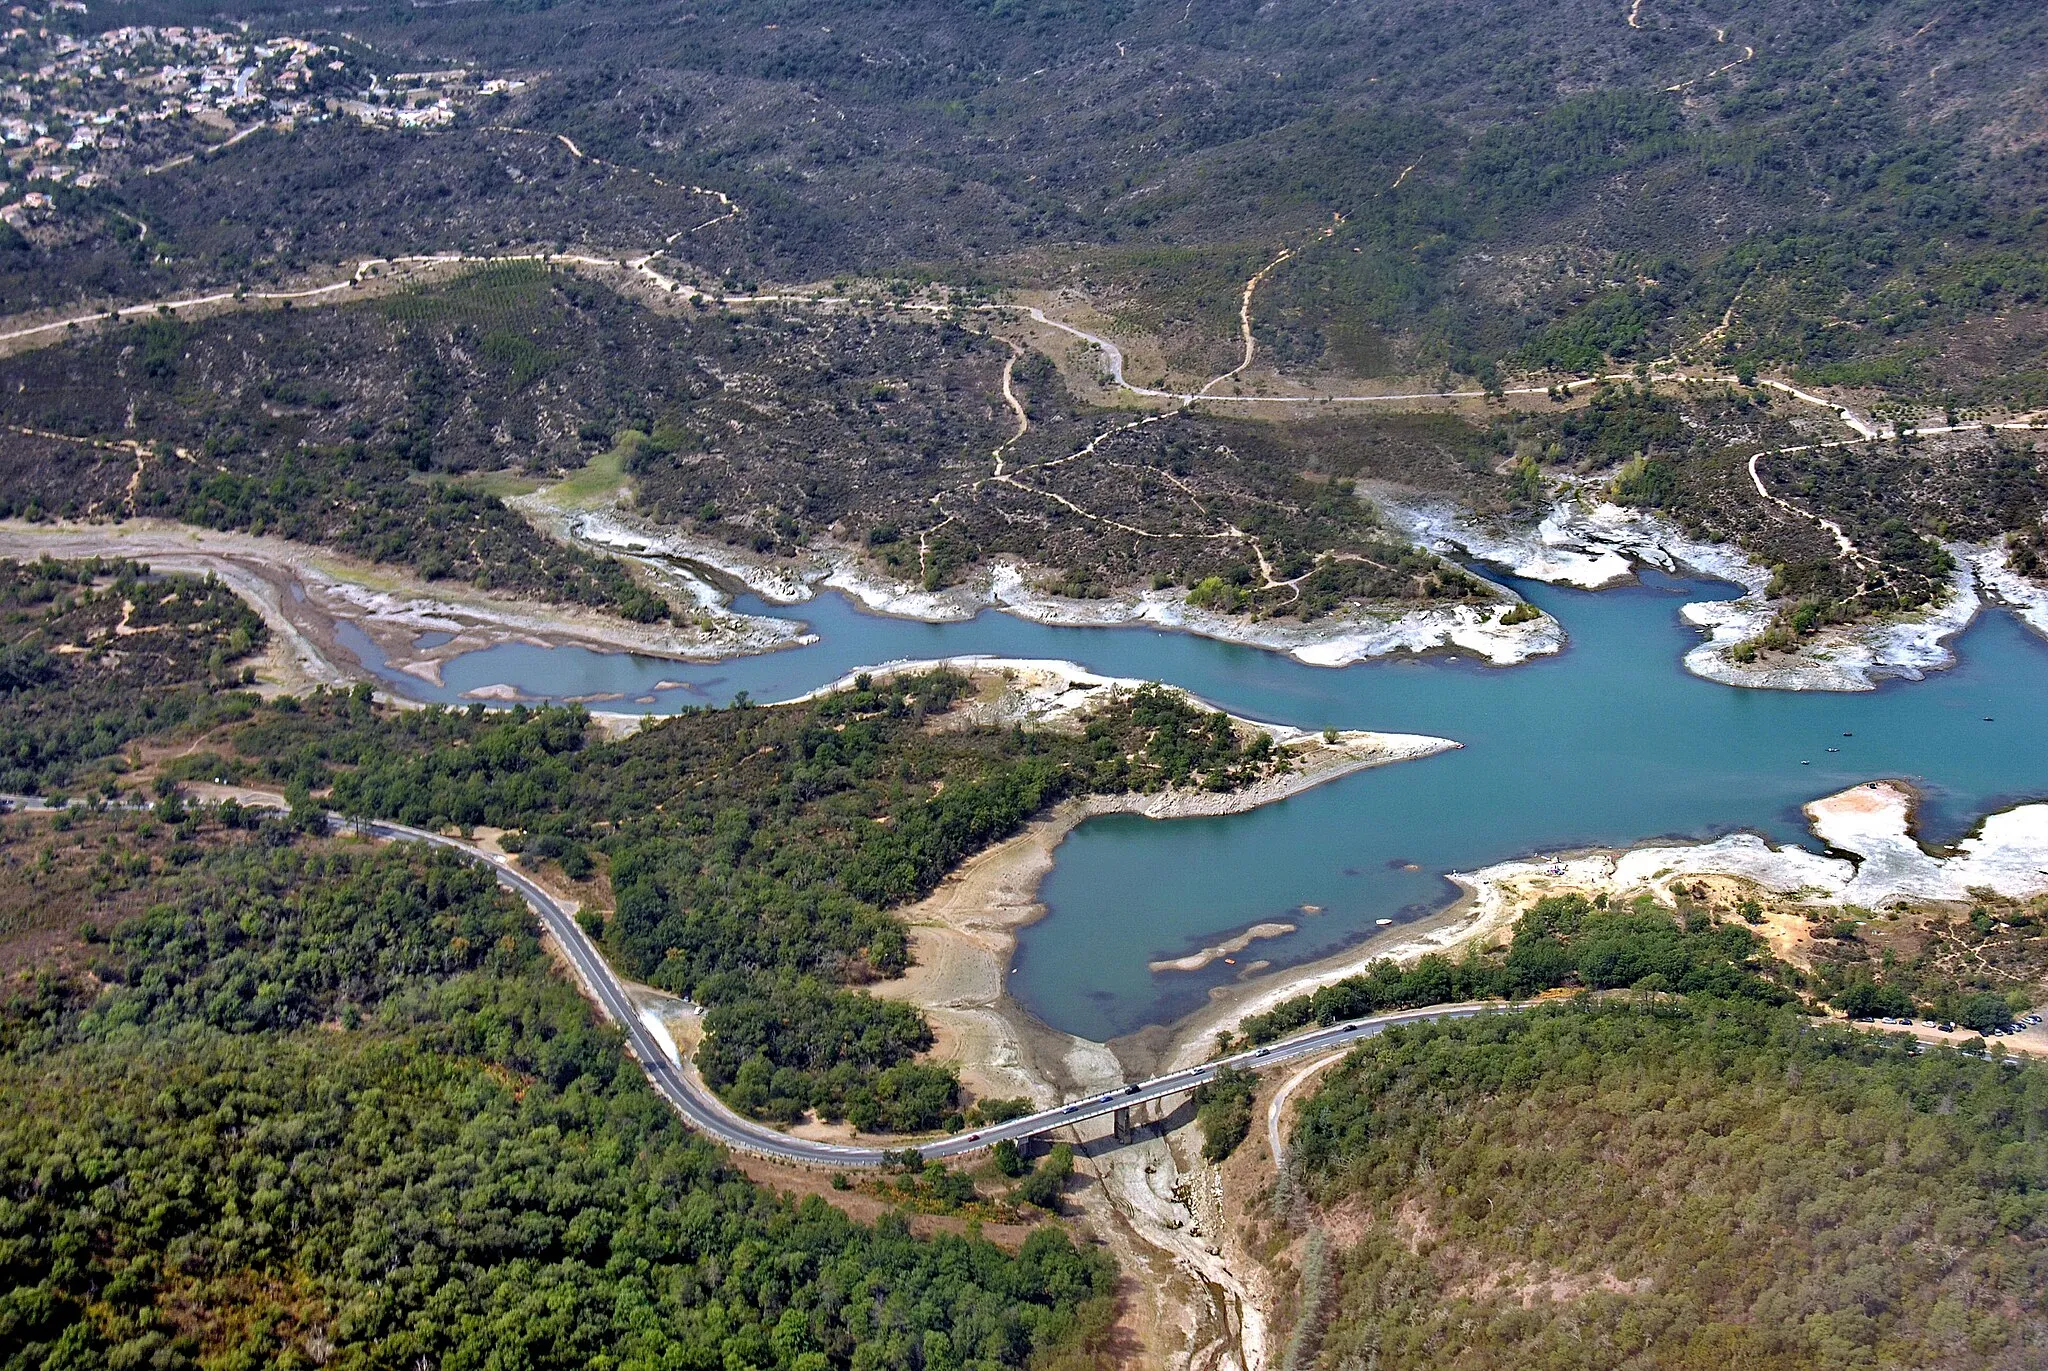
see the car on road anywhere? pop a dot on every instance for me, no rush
(974, 1137)
(1131, 1089)
(1262, 1052)
(1070, 1109)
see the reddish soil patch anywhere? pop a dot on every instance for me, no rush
(801, 1181)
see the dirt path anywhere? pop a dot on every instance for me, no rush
(1748, 54)
(1844, 546)
(1016, 406)
(1244, 323)
(726, 202)
(1278, 1105)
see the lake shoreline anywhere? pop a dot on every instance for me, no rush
(964, 934)
(1870, 825)
(1599, 545)
(260, 569)
(305, 593)
(1359, 633)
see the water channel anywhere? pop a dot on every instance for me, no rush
(1609, 743)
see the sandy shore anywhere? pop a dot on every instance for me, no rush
(1216, 952)
(963, 936)
(1478, 915)
(1871, 824)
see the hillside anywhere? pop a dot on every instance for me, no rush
(1685, 1185)
(1603, 180)
(346, 1113)
(1378, 198)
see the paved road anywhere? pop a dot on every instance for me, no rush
(681, 1086)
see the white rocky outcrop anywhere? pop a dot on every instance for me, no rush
(1871, 824)
(1849, 657)
(2027, 599)
(1336, 640)
(1592, 544)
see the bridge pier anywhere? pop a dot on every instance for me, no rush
(1121, 1122)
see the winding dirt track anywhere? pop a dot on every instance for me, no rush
(647, 268)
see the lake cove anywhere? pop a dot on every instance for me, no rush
(1607, 744)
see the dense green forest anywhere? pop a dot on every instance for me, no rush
(343, 1114)
(1695, 1184)
(753, 854)
(750, 855)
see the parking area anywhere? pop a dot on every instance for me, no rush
(2028, 1036)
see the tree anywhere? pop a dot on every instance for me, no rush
(1043, 1186)
(1984, 1012)
(1224, 1109)
(1009, 1160)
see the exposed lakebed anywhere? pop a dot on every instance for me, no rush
(1609, 743)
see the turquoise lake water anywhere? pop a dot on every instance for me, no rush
(1609, 743)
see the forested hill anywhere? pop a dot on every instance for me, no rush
(752, 857)
(95, 655)
(749, 857)
(1695, 1184)
(321, 1104)
(390, 428)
